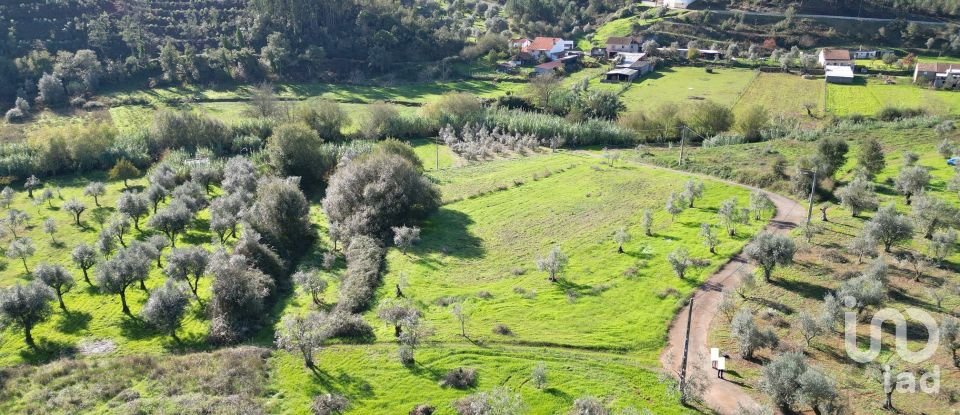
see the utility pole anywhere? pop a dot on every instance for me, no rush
(686, 349)
(683, 140)
(813, 189)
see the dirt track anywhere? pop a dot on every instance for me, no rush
(721, 395)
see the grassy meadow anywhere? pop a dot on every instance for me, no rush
(783, 94)
(687, 85)
(599, 330)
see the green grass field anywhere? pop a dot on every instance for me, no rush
(599, 329)
(867, 96)
(686, 86)
(783, 94)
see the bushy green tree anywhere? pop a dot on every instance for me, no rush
(769, 250)
(25, 306)
(166, 307)
(57, 278)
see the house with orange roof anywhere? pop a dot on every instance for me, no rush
(551, 47)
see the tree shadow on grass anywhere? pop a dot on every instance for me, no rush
(134, 328)
(566, 397)
(804, 289)
(194, 238)
(73, 321)
(342, 383)
(189, 344)
(446, 232)
(419, 370)
(46, 351)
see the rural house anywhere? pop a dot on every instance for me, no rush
(938, 74)
(551, 47)
(839, 74)
(617, 45)
(835, 57)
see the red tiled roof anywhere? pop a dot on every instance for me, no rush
(543, 43)
(936, 66)
(836, 54)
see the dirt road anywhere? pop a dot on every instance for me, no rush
(721, 395)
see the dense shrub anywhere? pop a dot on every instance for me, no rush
(364, 261)
(372, 193)
(890, 113)
(460, 378)
(350, 327)
(189, 131)
(545, 126)
(237, 303)
(295, 150)
(281, 214)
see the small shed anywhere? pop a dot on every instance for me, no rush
(622, 75)
(548, 68)
(839, 74)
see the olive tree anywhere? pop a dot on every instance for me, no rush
(781, 379)
(942, 244)
(871, 157)
(225, 213)
(675, 205)
(75, 207)
(539, 376)
(172, 220)
(155, 195)
(32, 183)
(121, 271)
(188, 264)
(304, 333)
(57, 278)
(931, 213)
(239, 177)
(759, 203)
(25, 306)
(950, 337)
(864, 290)
(729, 215)
(405, 237)
(6, 196)
(889, 227)
(134, 205)
(679, 260)
(769, 250)
(15, 220)
(85, 257)
(166, 307)
(312, 284)
(749, 337)
(396, 313)
(692, 190)
(589, 405)
(621, 237)
(810, 327)
(497, 401)
(858, 196)
(21, 248)
(95, 190)
(710, 238)
(646, 221)
(862, 245)
(553, 263)
(50, 228)
(912, 180)
(329, 404)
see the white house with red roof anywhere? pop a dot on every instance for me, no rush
(552, 47)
